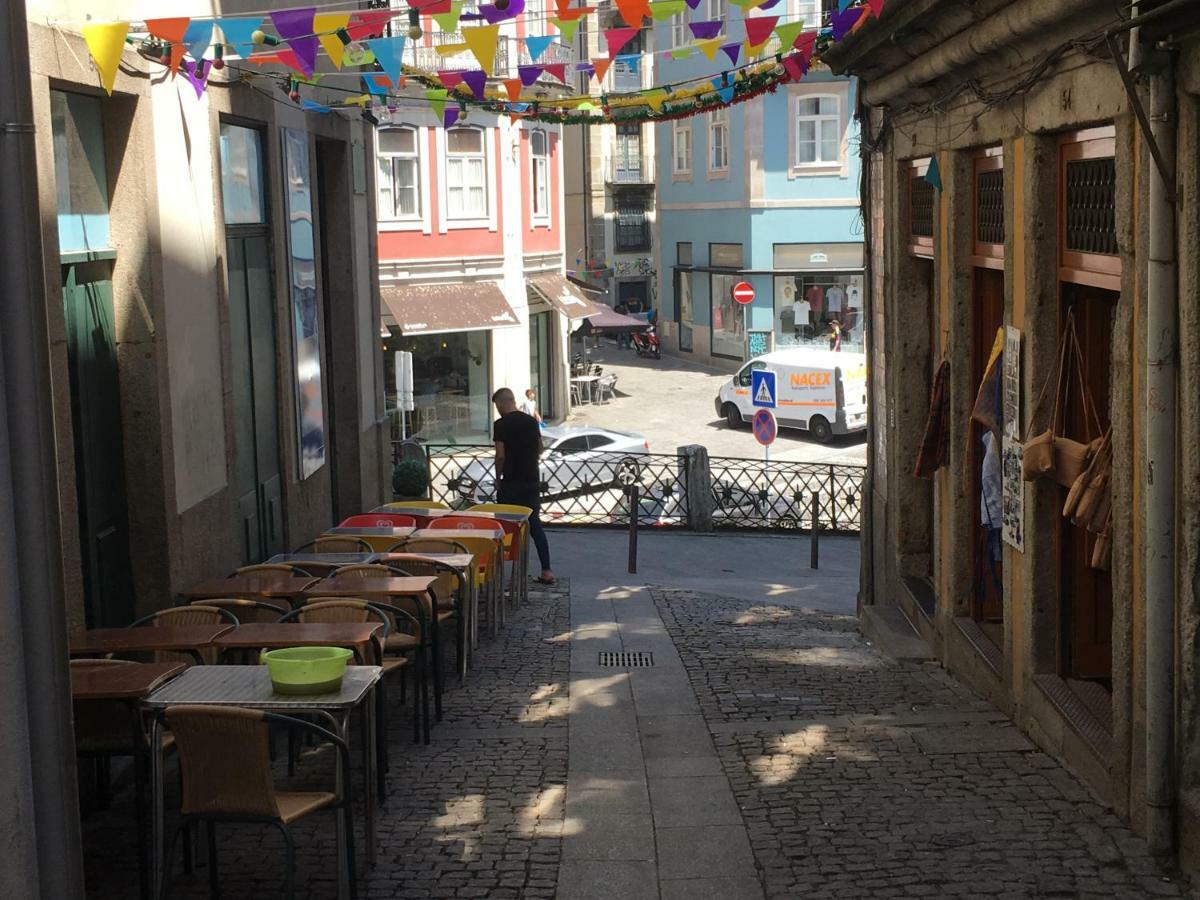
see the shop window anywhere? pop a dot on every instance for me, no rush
(1088, 251)
(988, 209)
(451, 391)
(808, 303)
(399, 173)
(920, 206)
(728, 335)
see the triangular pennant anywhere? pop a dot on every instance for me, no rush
(238, 32)
(570, 14)
(450, 79)
(758, 31)
(703, 31)
(529, 74)
(842, 4)
(361, 100)
(556, 70)
(600, 68)
(630, 61)
(567, 27)
(448, 21)
(513, 87)
(368, 24)
(710, 47)
(733, 51)
(296, 27)
(655, 99)
(724, 91)
(288, 57)
(661, 10)
(389, 53)
(633, 11)
(843, 22)
(788, 32)
(693, 4)
(804, 45)
(481, 42)
(106, 43)
(177, 51)
(794, 65)
(437, 100)
(537, 45)
(450, 49)
(876, 7)
(374, 84)
(585, 67)
(261, 59)
(171, 30)
(681, 53)
(476, 81)
(197, 73)
(312, 106)
(768, 4)
(933, 175)
(616, 38)
(198, 37)
(326, 25)
(449, 116)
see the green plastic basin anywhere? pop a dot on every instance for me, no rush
(307, 670)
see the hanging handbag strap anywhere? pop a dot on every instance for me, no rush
(1058, 387)
(1091, 419)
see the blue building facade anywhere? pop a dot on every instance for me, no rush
(764, 191)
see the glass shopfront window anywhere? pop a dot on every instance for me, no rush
(825, 285)
(451, 390)
(728, 316)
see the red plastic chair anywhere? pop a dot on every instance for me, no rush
(381, 520)
(466, 523)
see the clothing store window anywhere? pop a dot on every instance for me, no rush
(728, 316)
(825, 285)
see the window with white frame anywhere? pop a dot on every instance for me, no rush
(539, 156)
(818, 131)
(399, 173)
(681, 150)
(718, 140)
(814, 13)
(466, 174)
(716, 10)
(680, 35)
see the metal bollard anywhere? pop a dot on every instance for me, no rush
(814, 540)
(634, 514)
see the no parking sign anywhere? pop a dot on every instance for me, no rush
(765, 427)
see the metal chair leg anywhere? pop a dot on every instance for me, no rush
(351, 857)
(289, 861)
(166, 862)
(214, 878)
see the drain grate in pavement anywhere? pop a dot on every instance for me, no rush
(626, 660)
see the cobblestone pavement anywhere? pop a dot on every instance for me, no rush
(858, 776)
(477, 813)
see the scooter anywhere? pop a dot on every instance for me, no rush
(646, 343)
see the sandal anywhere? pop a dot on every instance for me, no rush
(542, 580)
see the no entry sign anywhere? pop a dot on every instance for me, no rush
(765, 428)
(743, 292)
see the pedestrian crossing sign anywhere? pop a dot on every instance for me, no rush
(762, 388)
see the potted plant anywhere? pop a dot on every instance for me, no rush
(410, 480)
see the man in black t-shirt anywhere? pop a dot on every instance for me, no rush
(518, 441)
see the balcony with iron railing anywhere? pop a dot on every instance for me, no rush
(510, 53)
(630, 169)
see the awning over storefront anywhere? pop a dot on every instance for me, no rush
(564, 296)
(435, 308)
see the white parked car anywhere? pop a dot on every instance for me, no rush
(575, 460)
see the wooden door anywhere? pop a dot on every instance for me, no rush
(1086, 592)
(99, 450)
(988, 316)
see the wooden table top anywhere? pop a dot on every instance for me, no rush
(261, 584)
(299, 634)
(144, 639)
(127, 681)
(383, 586)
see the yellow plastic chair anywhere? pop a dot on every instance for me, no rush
(519, 555)
(487, 548)
(412, 504)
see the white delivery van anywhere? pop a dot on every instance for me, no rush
(820, 391)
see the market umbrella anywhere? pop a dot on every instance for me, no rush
(608, 319)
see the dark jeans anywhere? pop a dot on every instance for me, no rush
(527, 493)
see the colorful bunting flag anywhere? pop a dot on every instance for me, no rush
(795, 65)
(876, 7)
(449, 116)
(933, 175)
(661, 10)
(476, 81)
(529, 74)
(758, 32)
(655, 99)
(513, 87)
(374, 84)
(567, 27)
(288, 57)
(171, 31)
(634, 11)
(733, 51)
(238, 32)
(296, 27)
(368, 24)
(842, 23)
(585, 67)
(448, 21)
(804, 45)
(197, 73)
(537, 45)
(630, 61)
(481, 42)
(326, 25)
(616, 38)
(724, 91)
(681, 53)
(703, 31)
(450, 49)
(198, 37)
(693, 4)
(557, 70)
(437, 100)
(768, 4)
(451, 78)
(788, 32)
(710, 47)
(493, 14)
(842, 4)
(106, 42)
(312, 106)
(389, 53)
(600, 68)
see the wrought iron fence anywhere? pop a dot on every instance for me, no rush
(589, 488)
(751, 493)
(586, 488)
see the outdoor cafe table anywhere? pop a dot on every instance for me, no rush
(356, 636)
(324, 562)
(464, 565)
(380, 537)
(128, 684)
(442, 513)
(147, 639)
(250, 687)
(251, 586)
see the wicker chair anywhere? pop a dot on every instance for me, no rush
(272, 569)
(335, 543)
(194, 614)
(226, 772)
(245, 610)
